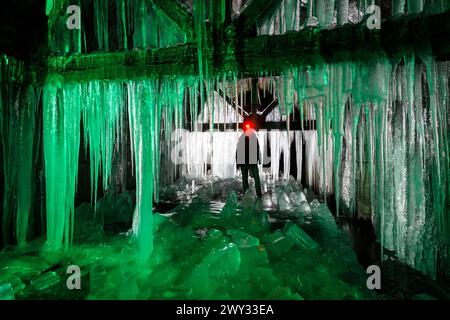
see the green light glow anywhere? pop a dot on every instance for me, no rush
(380, 146)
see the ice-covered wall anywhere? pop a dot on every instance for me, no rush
(294, 15)
(384, 128)
(109, 25)
(19, 97)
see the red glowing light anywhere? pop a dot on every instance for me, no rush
(248, 125)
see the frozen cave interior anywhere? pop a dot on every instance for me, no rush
(119, 136)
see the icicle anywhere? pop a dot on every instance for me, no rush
(299, 153)
(61, 147)
(101, 109)
(122, 29)
(342, 12)
(398, 7)
(141, 114)
(25, 162)
(101, 24)
(415, 6)
(324, 12)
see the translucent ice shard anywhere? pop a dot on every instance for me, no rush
(6, 292)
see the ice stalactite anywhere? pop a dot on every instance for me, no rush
(197, 147)
(174, 97)
(324, 12)
(224, 143)
(287, 17)
(102, 120)
(380, 147)
(99, 107)
(26, 139)
(415, 6)
(342, 12)
(263, 147)
(290, 14)
(147, 100)
(280, 144)
(299, 153)
(398, 6)
(199, 10)
(141, 110)
(138, 24)
(101, 24)
(61, 135)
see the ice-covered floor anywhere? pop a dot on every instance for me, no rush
(211, 242)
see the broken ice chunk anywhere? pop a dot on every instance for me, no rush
(45, 281)
(223, 262)
(16, 284)
(243, 239)
(253, 256)
(283, 202)
(275, 199)
(293, 197)
(300, 198)
(212, 271)
(277, 243)
(267, 201)
(214, 233)
(315, 203)
(249, 199)
(6, 292)
(300, 237)
(305, 208)
(232, 199)
(229, 209)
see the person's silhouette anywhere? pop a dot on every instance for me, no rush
(248, 157)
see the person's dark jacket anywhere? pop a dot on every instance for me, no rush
(247, 150)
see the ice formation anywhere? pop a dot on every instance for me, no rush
(140, 24)
(378, 147)
(381, 117)
(18, 137)
(381, 144)
(99, 108)
(294, 15)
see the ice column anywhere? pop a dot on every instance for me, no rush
(141, 112)
(61, 147)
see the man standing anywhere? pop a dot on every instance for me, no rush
(248, 157)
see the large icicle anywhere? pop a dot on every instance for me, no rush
(61, 148)
(141, 112)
